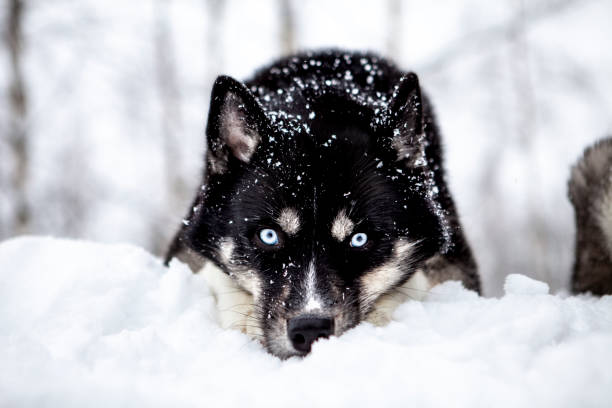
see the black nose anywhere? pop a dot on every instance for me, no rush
(304, 330)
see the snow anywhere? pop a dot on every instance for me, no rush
(522, 285)
(89, 324)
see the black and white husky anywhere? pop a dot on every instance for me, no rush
(324, 202)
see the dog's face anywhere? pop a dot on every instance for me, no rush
(316, 212)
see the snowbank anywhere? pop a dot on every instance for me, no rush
(84, 324)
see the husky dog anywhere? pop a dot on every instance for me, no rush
(590, 191)
(324, 202)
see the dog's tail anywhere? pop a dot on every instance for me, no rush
(590, 191)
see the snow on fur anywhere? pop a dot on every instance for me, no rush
(84, 324)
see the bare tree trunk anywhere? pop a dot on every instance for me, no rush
(521, 77)
(17, 136)
(541, 234)
(287, 31)
(481, 39)
(170, 125)
(214, 48)
(394, 32)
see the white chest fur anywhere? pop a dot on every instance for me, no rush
(235, 308)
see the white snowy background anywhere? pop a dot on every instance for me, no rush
(116, 95)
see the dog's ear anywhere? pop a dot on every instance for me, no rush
(236, 122)
(406, 115)
(405, 106)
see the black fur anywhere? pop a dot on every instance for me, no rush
(333, 130)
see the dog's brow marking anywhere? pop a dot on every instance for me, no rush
(312, 303)
(342, 226)
(289, 221)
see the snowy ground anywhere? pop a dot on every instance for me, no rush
(85, 324)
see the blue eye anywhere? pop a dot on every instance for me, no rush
(268, 236)
(358, 240)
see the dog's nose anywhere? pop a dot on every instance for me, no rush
(304, 330)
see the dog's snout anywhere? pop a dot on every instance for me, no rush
(304, 330)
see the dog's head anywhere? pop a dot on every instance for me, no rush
(316, 210)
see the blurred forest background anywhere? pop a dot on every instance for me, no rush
(104, 104)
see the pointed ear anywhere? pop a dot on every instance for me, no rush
(235, 124)
(406, 115)
(406, 105)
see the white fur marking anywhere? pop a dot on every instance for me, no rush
(289, 221)
(382, 278)
(342, 226)
(235, 306)
(226, 250)
(246, 278)
(312, 303)
(415, 288)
